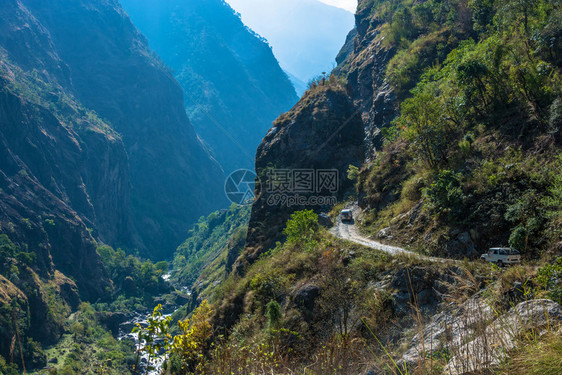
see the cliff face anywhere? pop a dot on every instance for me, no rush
(173, 178)
(233, 85)
(94, 53)
(363, 61)
(330, 127)
(95, 145)
(48, 167)
(322, 132)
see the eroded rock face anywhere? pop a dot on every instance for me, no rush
(363, 61)
(489, 349)
(475, 337)
(322, 132)
(42, 177)
(449, 329)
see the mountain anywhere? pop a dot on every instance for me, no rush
(95, 147)
(425, 140)
(169, 178)
(232, 83)
(450, 113)
(306, 35)
(323, 132)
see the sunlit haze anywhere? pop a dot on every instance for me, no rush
(306, 35)
(349, 5)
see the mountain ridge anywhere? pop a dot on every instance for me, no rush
(231, 98)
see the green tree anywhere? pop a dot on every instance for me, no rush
(352, 172)
(445, 193)
(301, 228)
(425, 128)
(152, 338)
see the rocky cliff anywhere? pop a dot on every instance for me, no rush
(335, 124)
(323, 132)
(95, 146)
(363, 61)
(94, 54)
(233, 85)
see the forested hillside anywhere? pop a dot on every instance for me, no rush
(95, 147)
(475, 146)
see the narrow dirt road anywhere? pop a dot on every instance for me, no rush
(348, 231)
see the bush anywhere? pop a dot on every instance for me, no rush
(550, 279)
(518, 238)
(301, 228)
(273, 314)
(445, 193)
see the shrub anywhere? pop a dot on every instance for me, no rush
(273, 314)
(518, 238)
(550, 279)
(352, 172)
(301, 228)
(445, 193)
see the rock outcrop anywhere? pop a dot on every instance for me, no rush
(322, 132)
(330, 128)
(362, 62)
(489, 350)
(476, 338)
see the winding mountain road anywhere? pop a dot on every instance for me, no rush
(349, 232)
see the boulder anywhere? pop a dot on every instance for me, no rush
(385, 233)
(461, 246)
(489, 349)
(305, 299)
(448, 329)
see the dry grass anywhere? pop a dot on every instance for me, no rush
(542, 357)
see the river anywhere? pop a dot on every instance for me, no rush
(140, 317)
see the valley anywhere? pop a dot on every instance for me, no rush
(440, 128)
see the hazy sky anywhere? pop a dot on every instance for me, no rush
(350, 5)
(306, 35)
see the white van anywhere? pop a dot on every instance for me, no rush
(346, 215)
(502, 256)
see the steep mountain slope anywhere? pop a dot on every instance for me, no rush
(459, 106)
(435, 108)
(233, 86)
(322, 132)
(97, 56)
(95, 146)
(305, 34)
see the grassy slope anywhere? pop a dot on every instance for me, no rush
(474, 148)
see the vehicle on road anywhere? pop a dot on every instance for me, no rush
(502, 256)
(346, 216)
